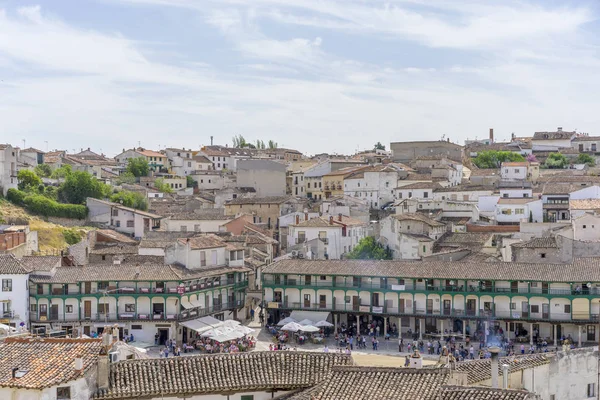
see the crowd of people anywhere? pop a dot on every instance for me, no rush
(209, 346)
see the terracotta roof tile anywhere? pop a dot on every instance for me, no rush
(10, 265)
(481, 393)
(49, 362)
(417, 217)
(220, 373)
(203, 242)
(481, 370)
(41, 263)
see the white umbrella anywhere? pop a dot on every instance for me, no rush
(244, 329)
(212, 333)
(292, 327)
(323, 324)
(306, 322)
(309, 328)
(286, 321)
(231, 323)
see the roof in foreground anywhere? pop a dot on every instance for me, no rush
(481, 370)
(585, 269)
(49, 362)
(220, 373)
(10, 265)
(41, 263)
(588, 204)
(353, 382)
(479, 393)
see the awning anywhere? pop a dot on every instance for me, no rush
(202, 324)
(311, 315)
(195, 303)
(186, 304)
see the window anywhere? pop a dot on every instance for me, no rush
(584, 226)
(535, 309)
(136, 327)
(203, 259)
(520, 211)
(183, 228)
(7, 285)
(400, 195)
(525, 195)
(409, 195)
(33, 307)
(102, 285)
(591, 390)
(505, 195)
(323, 278)
(301, 237)
(115, 213)
(513, 306)
(543, 255)
(424, 249)
(69, 309)
(567, 309)
(247, 397)
(130, 224)
(129, 307)
(516, 170)
(103, 308)
(118, 224)
(63, 393)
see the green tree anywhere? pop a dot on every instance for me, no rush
(272, 145)
(190, 182)
(61, 172)
(160, 185)
(585, 159)
(138, 166)
(72, 236)
(369, 249)
(126, 177)
(556, 160)
(79, 185)
(494, 158)
(239, 141)
(379, 146)
(28, 180)
(43, 170)
(130, 199)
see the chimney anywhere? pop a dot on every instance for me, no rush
(211, 140)
(102, 380)
(495, 351)
(14, 372)
(297, 219)
(331, 220)
(340, 217)
(559, 129)
(78, 364)
(89, 148)
(505, 376)
(448, 140)
(512, 136)
(491, 135)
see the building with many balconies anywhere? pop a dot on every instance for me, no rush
(433, 296)
(142, 300)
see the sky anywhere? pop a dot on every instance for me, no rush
(331, 76)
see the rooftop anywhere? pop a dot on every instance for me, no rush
(219, 373)
(480, 393)
(417, 217)
(41, 263)
(324, 222)
(203, 242)
(48, 362)
(481, 370)
(203, 214)
(542, 242)
(585, 269)
(558, 135)
(10, 265)
(588, 204)
(259, 200)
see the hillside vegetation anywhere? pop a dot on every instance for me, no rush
(52, 237)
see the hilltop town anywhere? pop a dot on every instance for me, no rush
(430, 244)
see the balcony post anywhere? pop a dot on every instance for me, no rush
(421, 328)
(579, 337)
(384, 327)
(442, 329)
(335, 318)
(554, 330)
(464, 329)
(531, 333)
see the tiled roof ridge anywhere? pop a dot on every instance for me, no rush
(50, 340)
(369, 368)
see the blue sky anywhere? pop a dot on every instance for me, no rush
(316, 75)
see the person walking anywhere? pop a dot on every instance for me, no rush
(350, 342)
(472, 352)
(406, 361)
(326, 349)
(400, 345)
(252, 314)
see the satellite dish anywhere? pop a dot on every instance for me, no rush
(589, 285)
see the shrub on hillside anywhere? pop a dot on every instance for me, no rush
(41, 205)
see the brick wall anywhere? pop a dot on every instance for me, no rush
(493, 228)
(11, 240)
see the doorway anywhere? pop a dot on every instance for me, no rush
(429, 306)
(591, 333)
(163, 336)
(158, 308)
(307, 301)
(87, 331)
(471, 306)
(87, 309)
(447, 308)
(54, 311)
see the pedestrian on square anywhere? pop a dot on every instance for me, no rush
(400, 345)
